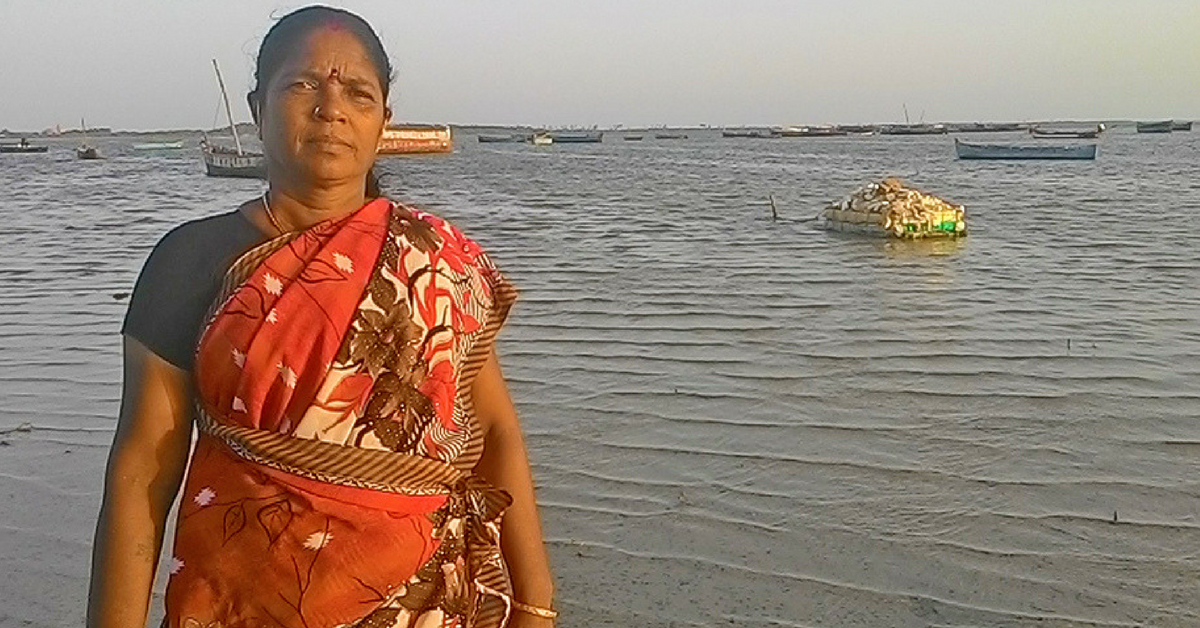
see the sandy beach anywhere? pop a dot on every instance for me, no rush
(733, 421)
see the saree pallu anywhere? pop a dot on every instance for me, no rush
(331, 482)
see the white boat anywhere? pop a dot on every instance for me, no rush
(967, 150)
(415, 139)
(220, 161)
(85, 150)
(177, 145)
(542, 139)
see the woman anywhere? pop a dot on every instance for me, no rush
(357, 444)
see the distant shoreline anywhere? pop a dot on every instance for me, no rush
(246, 127)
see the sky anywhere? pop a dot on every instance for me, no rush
(145, 64)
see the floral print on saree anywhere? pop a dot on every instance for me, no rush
(331, 484)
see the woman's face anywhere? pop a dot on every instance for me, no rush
(322, 112)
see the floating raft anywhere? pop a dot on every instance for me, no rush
(888, 208)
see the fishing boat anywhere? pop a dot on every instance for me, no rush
(1040, 131)
(1163, 126)
(490, 138)
(416, 139)
(983, 127)
(22, 146)
(221, 161)
(966, 150)
(670, 136)
(913, 129)
(177, 145)
(748, 133)
(811, 131)
(1181, 126)
(541, 139)
(577, 137)
(632, 138)
(85, 150)
(858, 129)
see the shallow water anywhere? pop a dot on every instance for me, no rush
(733, 421)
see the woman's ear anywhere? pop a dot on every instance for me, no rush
(387, 116)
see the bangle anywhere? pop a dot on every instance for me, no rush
(539, 611)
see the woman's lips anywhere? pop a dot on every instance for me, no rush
(329, 142)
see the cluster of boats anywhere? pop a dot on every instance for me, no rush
(85, 150)
(837, 130)
(237, 161)
(1085, 151)
(544, 138)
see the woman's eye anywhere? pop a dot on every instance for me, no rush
(307, 85)
(362, 94)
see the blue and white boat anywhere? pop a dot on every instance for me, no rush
(967, 150)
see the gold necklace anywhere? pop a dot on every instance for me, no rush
(271, 215)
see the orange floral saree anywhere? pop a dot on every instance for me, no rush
(331, 482)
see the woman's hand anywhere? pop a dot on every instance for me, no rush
(506, 465)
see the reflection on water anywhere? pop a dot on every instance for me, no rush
(904, 249)
(733, 421)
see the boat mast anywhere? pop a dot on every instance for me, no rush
(228, 113)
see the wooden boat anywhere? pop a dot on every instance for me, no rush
(967, 150)
(1163, 126)
(1181, 126)
(577, 137)
(670, 136)
(85, 150)
(177, 145)
(983, 127)
(632, 138)
(1039, 131)
(220, 161)
(913, 129)
(748, 133)
(811, 131)
(858, 129)
(416, 139)
(541, 139)
(22, 146)
(493, 138)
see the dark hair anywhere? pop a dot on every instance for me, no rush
(287, 33)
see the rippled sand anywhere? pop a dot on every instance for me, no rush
(733, 421)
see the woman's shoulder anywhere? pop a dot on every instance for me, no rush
(203, 234)
(440, 237)
(443, 228)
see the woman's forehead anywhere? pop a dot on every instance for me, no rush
(331, 48)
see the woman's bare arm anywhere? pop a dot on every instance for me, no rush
(505, 463)
(145, 465)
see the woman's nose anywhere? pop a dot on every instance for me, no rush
(330, 105)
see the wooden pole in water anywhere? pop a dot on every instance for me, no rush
(774, 212)
(228, 114)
